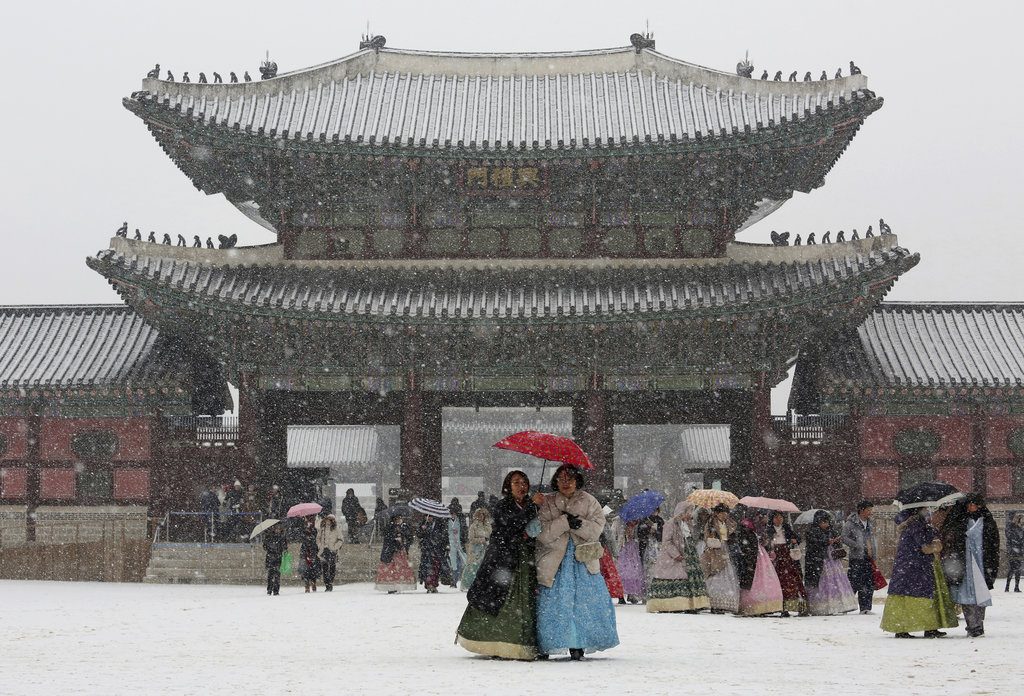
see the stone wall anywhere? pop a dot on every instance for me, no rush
(76, 524)
(12, 525)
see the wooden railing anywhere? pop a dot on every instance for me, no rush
(203, 430)
(814, 428)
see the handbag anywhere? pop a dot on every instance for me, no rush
(838, 554)
(714, 543)
(712, 562)
(796, 553)
(877, 576)
(286, 562)
(589, 551)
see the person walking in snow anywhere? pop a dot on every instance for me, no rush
(859, 537)
(970, 558)
(394, 573)
(310, 553)
(1014, 550)
(479, 534)
(275, 543)
(350, 509)
(328, 540)
(434, 567)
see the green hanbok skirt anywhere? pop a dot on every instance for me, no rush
(905, 614)
(512, 634)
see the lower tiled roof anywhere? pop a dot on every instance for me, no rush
(71, 346)
(906, 344)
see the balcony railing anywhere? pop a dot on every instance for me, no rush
(815, 428)
(203, 430)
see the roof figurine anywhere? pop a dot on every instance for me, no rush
(227, 242)
(184, 77)
(122, 231)
(780, 239)
(155, 72)
(376, 42)
(217, 78)
(209, 243)
(167, 239)
(810, 239)
(247, 77)
(170, 76)
(233, 77)
(839, 73)
(745, 68)
(796, 242)
(202, 78)
(827, 237)
(764, 75)
(854, 70)
(197, 242)
(854, 236)
(778, 76)
(138, 235)
(883, 228)
(841, 236)
(268, 68)
(641, 41)
(792, 76)
(824, 76)
(807, 76)
(870, 232)
(152, 237)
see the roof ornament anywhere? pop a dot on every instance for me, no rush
(841, 237)
(374, 41)
(796, 242)
(839, 73)
(209, 243)
(181, 241)
(247, 77)
(202, 78)
(642, 41)
(745, 68)
(122, 231)
(227, 242)
(778, 76)
(827, 237)
(155, 72)
(764, 75)
(824, 76)
(268, 68)
(233, 77)
(870, 232)
(170, 76)
(138, 235)
(884, 228)
(780, 239)
(807, 76)
(152, 237)
(854, 237)
(792, 76)
(184, 77)
(197, 242)
(167, 239)
(217, 78)
(810, 239)
(854, 70)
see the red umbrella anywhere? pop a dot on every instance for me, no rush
(551, 448)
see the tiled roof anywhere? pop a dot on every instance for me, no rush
(932, 345)
(450, 292)
(604, 99)
(78, 346)
(327, 445)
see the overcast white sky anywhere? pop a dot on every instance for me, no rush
(940, 161)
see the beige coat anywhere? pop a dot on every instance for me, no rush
(555, 532)
(327, 538)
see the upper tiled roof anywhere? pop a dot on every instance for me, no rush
(596, 99)
(931, 345)
(69, 346)
(750, 278)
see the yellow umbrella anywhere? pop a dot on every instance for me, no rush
(709, 497)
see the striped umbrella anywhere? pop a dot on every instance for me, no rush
(429, 507)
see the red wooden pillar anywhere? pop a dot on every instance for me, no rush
(249, 418)
(764, 479)
(978, 447)
(421, 445)
(593, 429)
(34, 461)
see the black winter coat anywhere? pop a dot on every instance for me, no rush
(954, 544)
(275, 545)
(397, 537)
(816, 553)
(747, 545)
(493, 579)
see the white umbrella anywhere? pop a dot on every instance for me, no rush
(262, 527)
(807, 516)
(429, 507)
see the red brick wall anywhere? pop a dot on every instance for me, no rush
(879, 482)
(961, 477)
(57, 484)
(998, 482)
(15, 431)
(876, 434)
(133, 437)
(13, 483)
(997, 429)
(131, 484)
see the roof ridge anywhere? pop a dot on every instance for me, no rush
(949, 304)
(42, 308)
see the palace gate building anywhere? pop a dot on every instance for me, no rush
(459, 232)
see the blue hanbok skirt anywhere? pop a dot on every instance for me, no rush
(576, 611)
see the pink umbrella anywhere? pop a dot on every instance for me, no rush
(303, 509)
(755, 501)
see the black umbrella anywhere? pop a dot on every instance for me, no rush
(927, 494)
(398, 509)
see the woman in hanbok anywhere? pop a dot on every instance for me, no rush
(760, 591)
(630, 565)
(719, 571)
(918, 598)
(501, 619)
(970, 558)
(828, 588)
(783, 544)
(309, 552)
(394, 572)
(457, 536)
(479, 533)
(677, 582)
(434, 567)
(574, 610)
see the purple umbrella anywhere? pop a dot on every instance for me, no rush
(641, 505)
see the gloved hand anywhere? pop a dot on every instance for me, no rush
(574, 521)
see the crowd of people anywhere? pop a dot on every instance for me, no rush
(542, 572)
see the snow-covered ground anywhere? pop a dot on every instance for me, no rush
(71, 638)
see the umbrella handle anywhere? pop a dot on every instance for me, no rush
(543, 470)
